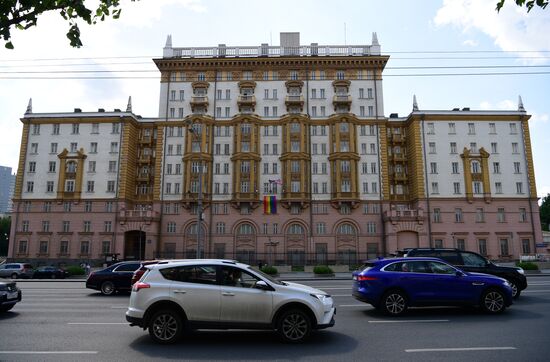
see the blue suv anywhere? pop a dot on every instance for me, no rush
(393, 285)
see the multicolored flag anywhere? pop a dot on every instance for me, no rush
(270, 205)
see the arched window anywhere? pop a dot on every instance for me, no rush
(245, 229)
(295, 229)
(346, 229)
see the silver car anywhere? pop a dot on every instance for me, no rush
(16, 270)
(224, 294)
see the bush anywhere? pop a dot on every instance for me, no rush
(526, 265)
(75, 270)
(297, 268)
(271, 270)
(322, 269)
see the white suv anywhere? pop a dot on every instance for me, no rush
(221, 294)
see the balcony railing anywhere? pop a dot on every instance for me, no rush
(400, 176)
(399, 157)
(397, 138)
(145, 159)
(199, 100)
(246, 99)
(271, 51)
(145, 140)
(341, 98)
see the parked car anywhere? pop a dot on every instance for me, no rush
(473, 262)
(16, 270)
(393, 285)
(221, 294)
(50, 272)
(113, 279)
(9, 295)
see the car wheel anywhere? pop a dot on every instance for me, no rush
(107, 288)
(492, 301)
(515, 290)
(394, 303)
(294, 326)
(6, 308)
(14, 276)
(165, 326)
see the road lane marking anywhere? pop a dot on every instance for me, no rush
(119, 307)
(355, 305)
(96, 323)
(341, 295)
(334, 288)
(535, 291)
(413, 321)
(460, 349)
(48, 352)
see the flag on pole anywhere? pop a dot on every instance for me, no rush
(270, 205)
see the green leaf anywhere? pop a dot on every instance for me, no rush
(9, 45)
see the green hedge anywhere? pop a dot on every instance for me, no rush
(75, 270)
(527, 265)
(322, 269)
(271, 270)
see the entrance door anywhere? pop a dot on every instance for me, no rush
(134, 244)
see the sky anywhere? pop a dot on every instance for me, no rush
(437, 38)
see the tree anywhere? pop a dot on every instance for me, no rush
(23, 14)
(529, 4)
(5, 223)
(544, 211)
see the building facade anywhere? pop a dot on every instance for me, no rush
(282, 154)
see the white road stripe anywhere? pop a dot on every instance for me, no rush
(333, 288)
(355, 305)
(96, 323)
(460, 349)
(119, 307)
(535, 291)
(48, 352)
(341, 295)
(413, 321)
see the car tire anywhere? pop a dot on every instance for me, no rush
(6, 308)
(515, 290)
(108, 288)
(14, 276)
(294, 326)
(492, 301)
(166, 326)
(394, 303)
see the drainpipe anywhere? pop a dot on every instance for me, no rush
(380, 189)
(430, 243)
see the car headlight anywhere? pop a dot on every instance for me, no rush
(321, 297)
(520, 270)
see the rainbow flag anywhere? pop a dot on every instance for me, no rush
(270, 205)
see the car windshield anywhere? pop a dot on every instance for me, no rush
(266, 276)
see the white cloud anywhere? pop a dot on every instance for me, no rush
(505, 105)
(146, 13)
(512, 29)
(470, 42)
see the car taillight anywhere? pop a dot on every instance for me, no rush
(140, 285)
(362, 278)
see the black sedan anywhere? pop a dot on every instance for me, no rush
(117, 277)
(9, 295)
(50, 272)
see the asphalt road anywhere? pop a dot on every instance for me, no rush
(63, 321)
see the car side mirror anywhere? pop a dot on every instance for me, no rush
(260, 284)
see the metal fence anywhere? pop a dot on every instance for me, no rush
(290, 258)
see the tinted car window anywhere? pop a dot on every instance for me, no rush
(471, 259)
(393, 267)
(418, 267)
(200, 274)
(440, 268)
(127, 267)
(449, 256)
(236, 277)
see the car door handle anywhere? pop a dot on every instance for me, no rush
(478, 283)
(228, 294)
(179, 291)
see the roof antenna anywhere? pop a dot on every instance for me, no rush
(29, 107)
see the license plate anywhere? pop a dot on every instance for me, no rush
(12, 295)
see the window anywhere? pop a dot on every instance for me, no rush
(87, 206)
(525, 246)
(47, 207)
(114, 147)
(87, 226)
(431, 147)
(480, 215)
(515, 147)
(220, 228)
(75, 129)
(501, 216)
(504, 250)
(433, 167)
(106, 247)
(107, 226)
(34, 147)
(53, 147)
(460, 244)
(115, 128)
(32, 166)
(453, 147)
(435, 188)
(452, 128)
(43, 247)
(458, 215)
(55, 130)
(482, 246)
(498, 187)
(471, 129)
(171, 227)
(66, 225)
(473, 147)
(519, 187)
(110, 186)
(476, 168)
(112, 166)
(456, 187)
(496, 167)
(69, 185)
(478, 187)
(340, 75)
(513, 128)
(84, 247)
(492, 128)
(517, 167)
(45, 226)
(90, 186)
(371, 227)
(67, 206)
(436, 215)
(454, 167)
(431, 128)
(321, 228)
(64, 247)
(35, 129)
(522, 214)
(30, 186)
(494, 147)
(74, 146)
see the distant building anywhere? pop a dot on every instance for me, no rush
(7, 185)
(286, 154)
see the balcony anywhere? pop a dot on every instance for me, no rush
(145, 159)
(251, 198)
(145, 140)
(397, 138)
(143, 177)
(246, 101)
(400, 176)
(199, 102)
(399, 157)
(395, 216)
(294, 100)
(341, 100)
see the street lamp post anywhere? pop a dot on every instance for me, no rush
(199, 196)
